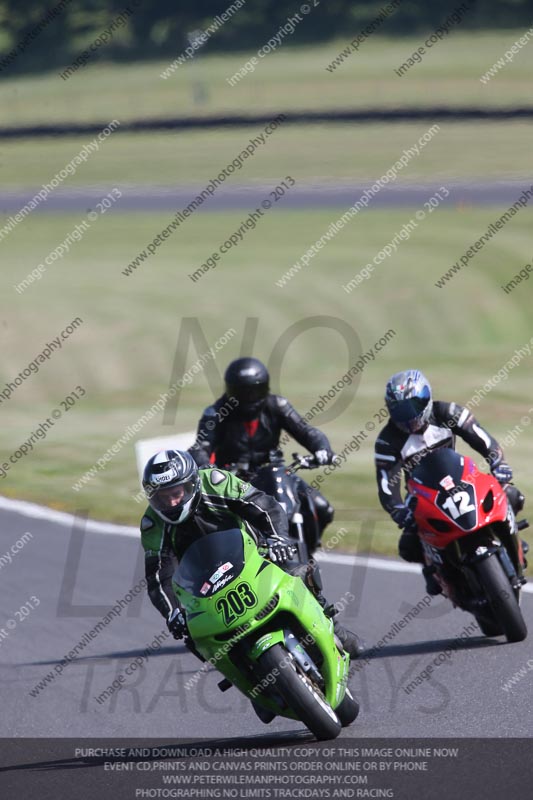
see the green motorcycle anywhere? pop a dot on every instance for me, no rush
(265, 632)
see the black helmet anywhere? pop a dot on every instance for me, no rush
(172, 485)
(247, 381)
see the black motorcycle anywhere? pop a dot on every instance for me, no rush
(279, 480)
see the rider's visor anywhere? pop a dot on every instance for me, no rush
(407, 410)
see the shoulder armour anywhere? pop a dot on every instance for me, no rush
(216, 477)
(147, 523)
(280, 402)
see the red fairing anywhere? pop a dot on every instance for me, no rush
(458, 509)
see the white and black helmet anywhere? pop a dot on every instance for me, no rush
(172, 485)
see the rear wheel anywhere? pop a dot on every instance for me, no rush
(500, 594)
(300, 693)
(348, 710)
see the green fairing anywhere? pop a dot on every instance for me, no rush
(262, 580)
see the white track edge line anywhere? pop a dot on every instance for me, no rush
(35, 511)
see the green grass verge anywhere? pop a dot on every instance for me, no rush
(291, 78)
(124, 351)
(316, 152)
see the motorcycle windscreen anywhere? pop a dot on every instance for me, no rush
(442, 470)
(437, 465)
(211, 562)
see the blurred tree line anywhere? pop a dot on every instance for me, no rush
(163, 28)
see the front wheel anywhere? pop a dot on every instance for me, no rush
(488, 626)
(300, 694)
(348, 709)
(499, 592)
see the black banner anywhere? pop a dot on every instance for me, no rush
(284, 766)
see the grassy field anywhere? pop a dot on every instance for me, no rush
(290, 78)
(488, 150)
(123, 353)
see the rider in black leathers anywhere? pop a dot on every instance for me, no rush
(244, 427)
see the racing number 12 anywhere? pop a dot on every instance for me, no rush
(459, 504)
(235, 603)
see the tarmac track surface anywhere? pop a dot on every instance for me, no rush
(78, 573)
(306, 195)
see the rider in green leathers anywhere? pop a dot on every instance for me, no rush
(186, 502)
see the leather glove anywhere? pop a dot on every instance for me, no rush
(502, 472)
(176, 624)
(279, 551)
(403, 517)
(323, 457)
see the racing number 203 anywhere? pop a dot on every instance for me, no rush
(235, 603)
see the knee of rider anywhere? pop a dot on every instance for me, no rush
(313, 576)
(408, 547)
(325, 510)
(515, 497)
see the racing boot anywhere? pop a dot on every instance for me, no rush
(525, 551)
(350, 642)
(433, 587)
(264, 714)
(517, 500)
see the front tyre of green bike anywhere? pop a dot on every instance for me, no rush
(348, 709)
(300, 693)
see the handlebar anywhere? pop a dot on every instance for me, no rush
(307, 462)
(300, 462)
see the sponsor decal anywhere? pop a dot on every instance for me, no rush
(264, 642)
(222, 582)
(205, 588)
(164, 477)
(220, 572)
(447, 483)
